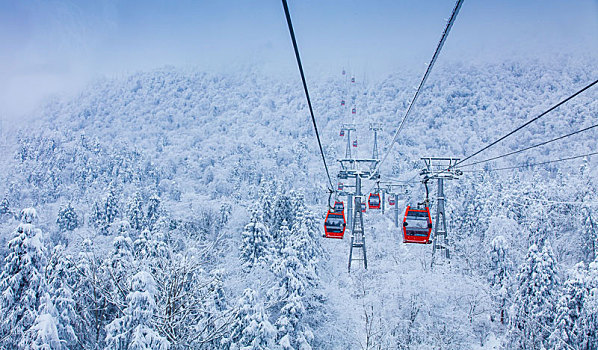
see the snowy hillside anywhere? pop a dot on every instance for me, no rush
(180, 209)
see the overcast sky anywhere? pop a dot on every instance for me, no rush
(56, 47)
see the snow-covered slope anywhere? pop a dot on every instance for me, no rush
(174, 172)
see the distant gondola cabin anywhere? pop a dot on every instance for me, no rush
(374, 201)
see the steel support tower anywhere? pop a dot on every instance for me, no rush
(375, 127)
(351, 169)
(348, 128)
(440, 168)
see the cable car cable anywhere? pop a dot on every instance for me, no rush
(517, 129)
(423, 81)
(531, 165)
(311, 111)
(529, 121)
(530, 147)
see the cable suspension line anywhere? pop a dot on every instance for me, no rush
(530, 147)
(517, 129)
(423, 81)
(311, 111)
(531, 165)
(529, 122)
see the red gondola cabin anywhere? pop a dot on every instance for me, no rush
(342, 102)
(374, 201)
(334, 225)
(340, 186)
(363, 207)
(417, 226)
(391, 201)
(355, 143)
(342, 133)
(339, 207)
(353, 111)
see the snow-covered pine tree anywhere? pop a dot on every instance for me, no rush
(288, 297)
(98, 218)
(216, 290)
(153, 211)
(93, 297)
(224, 211)
(4, 206)
(116, 271)
(307, 248)
(282, 236)
(589, 318)
(111, 204)
(43, 334)
(67, 218)
(135, 329)
(257, 244)
(499, 276)
(22, 282)
(267, 200)
(28, 215)
(532, 311)
(251, 329)
(568, 329)
(105, 211)
(284, 215)
(590, 236)
(135, 214)
(143, 245)
(62, 278)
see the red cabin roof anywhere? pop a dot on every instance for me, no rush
(417, 226)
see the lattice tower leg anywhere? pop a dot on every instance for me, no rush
(357, 231)
(440, 243)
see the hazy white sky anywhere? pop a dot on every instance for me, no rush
(50, 47)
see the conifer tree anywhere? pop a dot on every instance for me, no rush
(61, 276)
(4, 206)
(135, 214)
(532, 311)
(288, 297)
(257, 244)
(67, 218)
(43, 334)
(22, 282)
(499, 275)
(153, 211)
(568, 328)
(135, 329)
(250, 329)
